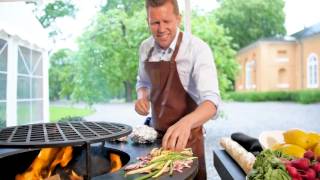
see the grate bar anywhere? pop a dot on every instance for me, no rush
(46, 139)
(12, 134)
(29, 133)
(107, 130)
(61, 134)
(82, 137)
(94, 132)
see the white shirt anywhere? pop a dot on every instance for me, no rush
(195, 64)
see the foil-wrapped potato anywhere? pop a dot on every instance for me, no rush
(143, 134)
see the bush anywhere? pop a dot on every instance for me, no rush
(304, 97)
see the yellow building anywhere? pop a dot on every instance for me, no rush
(276, 64)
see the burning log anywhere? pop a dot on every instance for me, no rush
(45, 163)
(54, 177)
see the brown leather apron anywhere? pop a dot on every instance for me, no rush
(170, 102)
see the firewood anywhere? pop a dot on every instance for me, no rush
(54, 177)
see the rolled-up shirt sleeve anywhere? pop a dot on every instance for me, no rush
(205, 76)
(142, 77)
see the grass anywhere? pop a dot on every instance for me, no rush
(57, 113)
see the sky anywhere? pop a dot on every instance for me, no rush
(299, 14)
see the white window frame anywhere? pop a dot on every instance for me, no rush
(313, 71)
(30, 74)
(6, 73)
(248, 72)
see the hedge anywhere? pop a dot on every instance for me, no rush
(304, 97)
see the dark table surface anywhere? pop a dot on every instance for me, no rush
(226, 167)
(134, 151)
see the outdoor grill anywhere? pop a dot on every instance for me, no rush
(61, 134)
(79, 134)
(92, 143)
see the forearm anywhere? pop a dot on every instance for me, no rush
(143, 93)
(201, 114)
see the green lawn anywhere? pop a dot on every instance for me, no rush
(58, 112)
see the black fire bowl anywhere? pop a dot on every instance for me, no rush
(15, 160)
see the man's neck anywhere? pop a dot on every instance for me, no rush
(172, 44)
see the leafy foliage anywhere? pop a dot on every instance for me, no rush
(206, 28)
(249, 20)
(56, 9)
(106, 63)
(128, 6)
(61, 74)
(110, 49)
(304, 97)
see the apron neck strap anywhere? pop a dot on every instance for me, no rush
(149, 54)
(176, 49)
(175, 52)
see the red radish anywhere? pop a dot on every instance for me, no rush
(318, 158)
(293, 172)
(309, 155)
(297, 178)
(302, 163)
(316, 167)
(310, 174)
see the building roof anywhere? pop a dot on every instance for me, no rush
(279, 39)
(17, 19)
(309, 31)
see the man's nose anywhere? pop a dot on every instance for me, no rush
(161, 27)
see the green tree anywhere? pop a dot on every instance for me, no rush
(56, 9)
(61, 74)
(128, 6)
(249, 20)
(108, 56)
(207, 29)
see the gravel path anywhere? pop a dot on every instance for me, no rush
(250, 118)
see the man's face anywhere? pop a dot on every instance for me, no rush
(163, 24)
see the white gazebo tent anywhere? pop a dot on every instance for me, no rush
(23, 66)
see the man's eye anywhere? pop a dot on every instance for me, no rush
(155, 23)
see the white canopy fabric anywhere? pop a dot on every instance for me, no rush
(17, 19)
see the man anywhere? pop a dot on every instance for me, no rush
(177, 75)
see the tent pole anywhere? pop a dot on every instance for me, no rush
(187, 17)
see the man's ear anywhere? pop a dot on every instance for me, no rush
(179, 17)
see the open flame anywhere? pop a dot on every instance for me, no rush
(44, 165)
(116, 163)
(46, 161)
(75, 176)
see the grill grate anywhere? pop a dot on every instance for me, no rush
(61, 134)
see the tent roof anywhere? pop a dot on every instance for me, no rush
(18, 20)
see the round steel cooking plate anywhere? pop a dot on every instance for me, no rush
(61, 134)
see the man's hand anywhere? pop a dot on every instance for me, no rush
(177, 136)
(142, 106)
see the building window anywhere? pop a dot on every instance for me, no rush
(29, 86)
(282, 79)
(3, 81)
(250, 75)
(282, 56)
(312, 71)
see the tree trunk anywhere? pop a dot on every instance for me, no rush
(128, 91)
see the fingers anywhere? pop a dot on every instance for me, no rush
(182, 142)
(142, 107)
(174, 140)
(165, 139)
